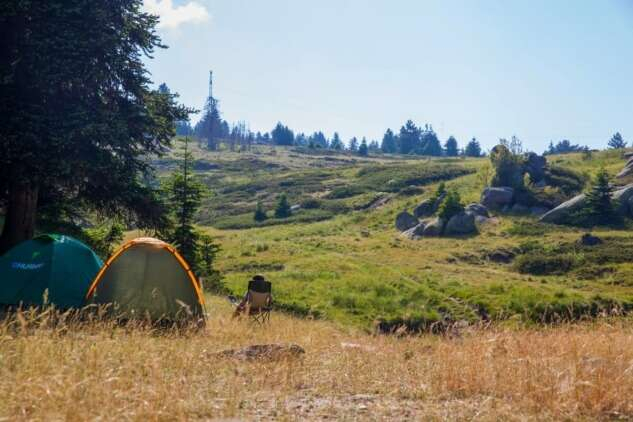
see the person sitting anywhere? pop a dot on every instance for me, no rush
(257, 301)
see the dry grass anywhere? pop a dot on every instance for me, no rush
(99, 371)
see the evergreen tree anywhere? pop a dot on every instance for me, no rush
(282, 135)
(336, 143)
(78, 118)
(616, 141)
(318, 139)
(282, 210)
(260, 213)
(208, 251)
(363, 150)
(389, 145)
(210, 127)
(450, 147)
(184, 196)
(353, 144)
(374, 147)
(409, 138)
(473, 149)
(599, 206)
(430, 145)
(450, 206)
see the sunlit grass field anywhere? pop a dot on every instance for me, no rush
(356, 269)
(98, 371)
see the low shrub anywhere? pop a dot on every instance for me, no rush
(544, 264)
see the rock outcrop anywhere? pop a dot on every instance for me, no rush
(535, 166)
(415, 232)
(562, 212)
(628, 167)
(405, 221)
(477, 209)
(462, 223)
(588, 239)
(428, 207)
(433, 227)
(558, 215)
(497, 198)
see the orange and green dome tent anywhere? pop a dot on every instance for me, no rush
(147, 278)
(52, 269)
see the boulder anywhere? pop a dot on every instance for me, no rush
(428, 207)
(405, 221)
(588, 239)
(295, 208)
(559, 214)
(538, 211)
(519, 209)
(273, 351)
(433, 227)
(628, 167)
(425, 208)
(415, 232)
(462, 223)
(624, 196)
(477, 209)
(497, 198)
(535, 166)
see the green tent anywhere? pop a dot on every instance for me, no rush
(147, 278)
(57, 267)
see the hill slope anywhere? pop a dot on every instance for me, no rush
(339, 257)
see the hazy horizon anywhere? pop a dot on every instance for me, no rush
(539, 70)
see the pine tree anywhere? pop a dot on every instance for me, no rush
(450, 206)
(282, 210)
(336, 143)
(363, 150)
(409, 138)
(353, 144)
(473, 149)
(599, 206)
(450, 147)
(260, 213)
(430, 144)
(184, 196)
(616, 141)
(389, 145)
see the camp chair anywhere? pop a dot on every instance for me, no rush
(259, 299)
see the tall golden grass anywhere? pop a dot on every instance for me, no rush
(96, 370)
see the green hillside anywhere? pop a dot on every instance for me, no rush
(340, 257)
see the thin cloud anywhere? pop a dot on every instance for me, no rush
(172, 17)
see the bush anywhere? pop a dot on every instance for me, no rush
(544, 264)
(450, 206)
(311, 204)
(508, 167)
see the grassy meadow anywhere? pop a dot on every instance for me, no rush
(350, 265)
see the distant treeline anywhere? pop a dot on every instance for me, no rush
(411, 139)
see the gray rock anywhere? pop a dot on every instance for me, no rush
(295, 208)
(477, 209)
(588, 239)
(425, 208)
(480, 220)
(415, 232)
(462, 223)
(538, 211)
(433, 227)
(624, 196)
(564, 210)
(501, 255)
(497, 198)
(405, 221)
(519, 209)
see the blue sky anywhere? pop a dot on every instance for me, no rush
(540, 70)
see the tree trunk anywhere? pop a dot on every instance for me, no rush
(19, 223)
